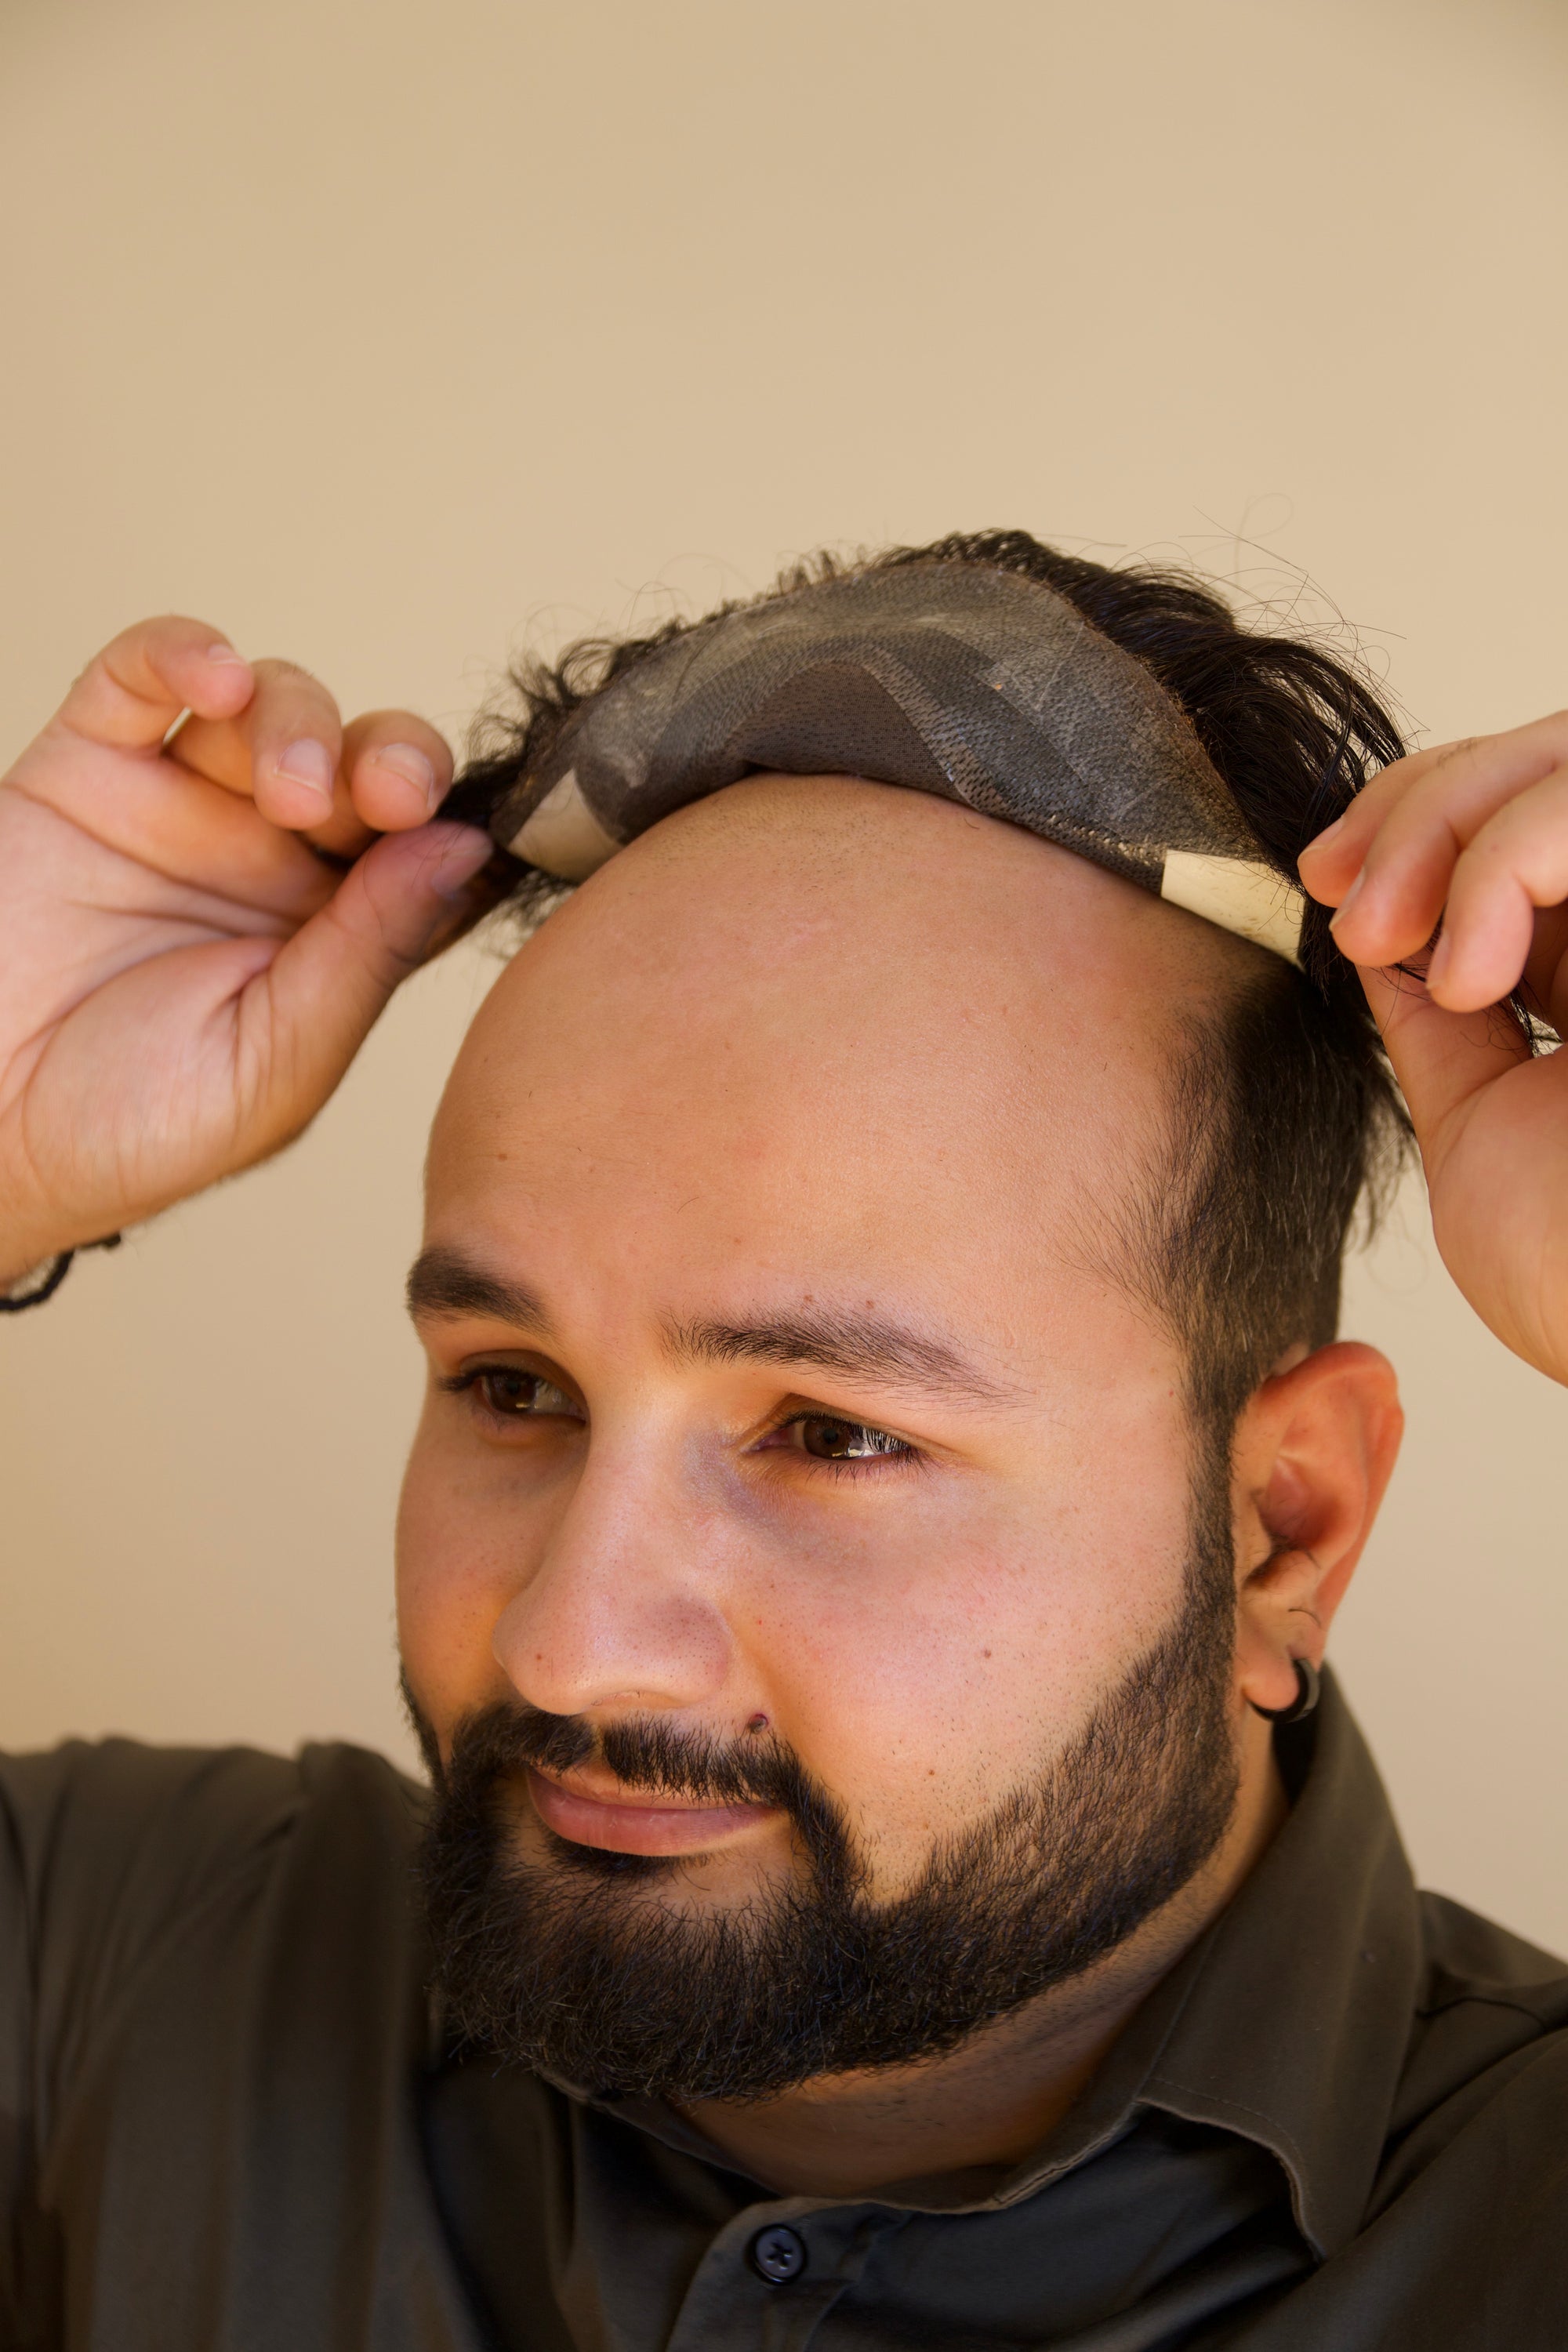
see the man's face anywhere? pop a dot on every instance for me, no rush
(787, 1443)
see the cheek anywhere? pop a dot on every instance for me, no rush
(465, 1543)
(933, 1664)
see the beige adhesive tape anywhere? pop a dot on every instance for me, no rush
(564, 836)
(1241, 895)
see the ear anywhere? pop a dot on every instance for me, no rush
(1314, 1450)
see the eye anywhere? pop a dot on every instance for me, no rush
(510, 1394)
(826, 1438)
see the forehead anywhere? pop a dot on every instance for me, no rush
(826, 1026)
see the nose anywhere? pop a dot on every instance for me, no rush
(624, 1606)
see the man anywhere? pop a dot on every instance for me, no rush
(886, 1482)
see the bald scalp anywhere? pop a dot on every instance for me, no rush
(825, 938)
(897, 856)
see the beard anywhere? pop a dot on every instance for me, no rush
(573, 1966)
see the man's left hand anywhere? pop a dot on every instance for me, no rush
(1474, 835)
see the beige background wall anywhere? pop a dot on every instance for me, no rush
(381, 334)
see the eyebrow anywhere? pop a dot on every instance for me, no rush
(445, 1282)
(861, 1347)
(858, 1347)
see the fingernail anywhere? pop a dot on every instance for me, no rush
(310, 764)
(1347, 902)
(226, 658)
(407, 760)
(470, 853)
(1442, 957)
(1321, 840)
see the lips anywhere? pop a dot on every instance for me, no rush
(665, 1826)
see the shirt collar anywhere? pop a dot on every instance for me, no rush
(1296, 2018)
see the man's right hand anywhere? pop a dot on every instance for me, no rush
(182, 979)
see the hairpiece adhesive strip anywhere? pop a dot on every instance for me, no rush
(1241, 895)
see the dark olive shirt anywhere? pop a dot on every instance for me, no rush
(226, 2124)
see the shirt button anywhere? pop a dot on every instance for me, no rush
(777, 2254)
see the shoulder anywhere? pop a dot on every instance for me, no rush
(107, 1848)
(114, 1808)
(1486, 2075)
(1485, 1992)
(1470, 1957)
(209, 1960)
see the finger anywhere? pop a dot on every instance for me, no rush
(1391, 907)
(1330, 862)
(1443, 1060)
(329, 982)
(1517, 863)
(284, 752)
(394, 770)
(129, 694)
(296, 735)
(163, 822)
(399, 769)
(1545, 983)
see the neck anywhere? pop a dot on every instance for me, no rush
(991, 2103)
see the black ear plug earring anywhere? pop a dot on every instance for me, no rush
(1305, 1700)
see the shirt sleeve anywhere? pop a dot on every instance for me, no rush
(106, 1851)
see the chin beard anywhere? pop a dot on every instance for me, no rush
(572, 1965)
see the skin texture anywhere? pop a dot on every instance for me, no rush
(822, 1051)
(888, 1061)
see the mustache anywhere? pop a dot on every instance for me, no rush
(648, 1752)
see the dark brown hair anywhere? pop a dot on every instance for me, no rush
(1285, 1115)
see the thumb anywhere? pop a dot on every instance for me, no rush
(1444, 1061)
(327, 984)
